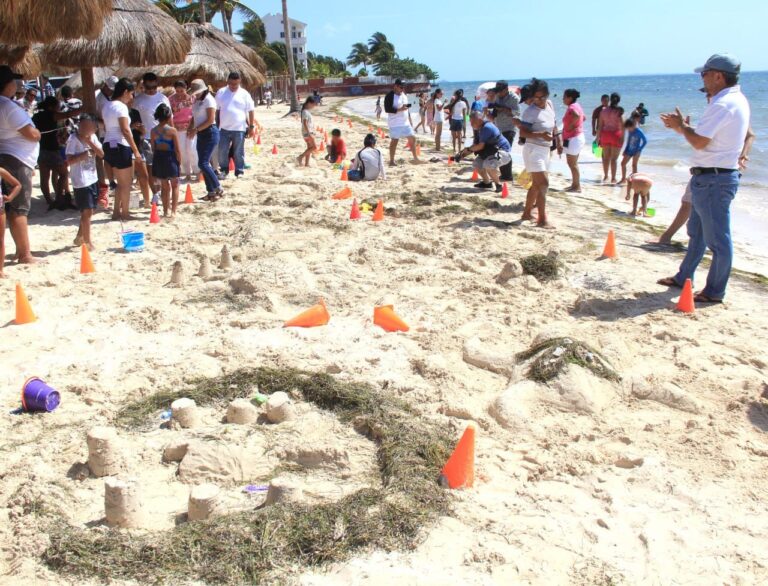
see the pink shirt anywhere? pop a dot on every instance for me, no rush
(181, 106)
(611, 120)
(571, 129)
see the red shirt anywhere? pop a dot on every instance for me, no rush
(339, 147)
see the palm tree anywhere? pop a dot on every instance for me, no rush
(380, 49)
(229, 7)
(253, 35)
(205, 10)
(359, 55)
(289, 55)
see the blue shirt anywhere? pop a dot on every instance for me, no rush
(478, 105)
(490, 134)
(636, 142)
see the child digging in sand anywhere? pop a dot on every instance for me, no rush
(641, 185)
(14, 187)
(636, 142)
(337, 148)
(165, 167)
(82, 150)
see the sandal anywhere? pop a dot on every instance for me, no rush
(701, 298)
(669, 282)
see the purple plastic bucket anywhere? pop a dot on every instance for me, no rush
(38, 396)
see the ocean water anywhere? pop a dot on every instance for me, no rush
(667, 154)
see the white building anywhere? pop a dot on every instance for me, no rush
(273, 24)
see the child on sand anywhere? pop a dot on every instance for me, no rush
(368, 164)
(641, 184)
(81, 151)
(337, 148)
(307, 131)
(165, 167)
(13, 186)
(636, 142)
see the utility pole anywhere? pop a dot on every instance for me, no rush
(289, 57)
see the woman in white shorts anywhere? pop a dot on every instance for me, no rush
(538, 128)
(573, 136)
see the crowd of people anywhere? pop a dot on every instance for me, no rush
(144, 137)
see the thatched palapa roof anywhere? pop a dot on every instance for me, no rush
(27, 60)
(213, 55)
(136, 34)
(23, 22)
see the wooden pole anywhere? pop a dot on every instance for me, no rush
(89, 90)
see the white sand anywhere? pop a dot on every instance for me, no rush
(550, 504)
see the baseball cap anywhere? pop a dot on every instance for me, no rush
(111, 82)
(721, 62)
(399, 82)
(501, 85)
(7, 74)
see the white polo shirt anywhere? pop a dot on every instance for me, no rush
(234, 108)
(146, 105)
(399, 119)
(725, 122)
(13, 119)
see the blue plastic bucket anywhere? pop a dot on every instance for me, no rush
(133, 241)
(38, 396)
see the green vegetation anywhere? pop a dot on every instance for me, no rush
(553, 356)
(541, 266)
(254, 546)
(380, 53)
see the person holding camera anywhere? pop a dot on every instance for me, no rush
(492, 151)
(396, 106)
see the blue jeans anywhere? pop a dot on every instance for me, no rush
(710, 227)
(206, 143)
(236, 140)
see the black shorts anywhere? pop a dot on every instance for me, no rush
(457, 125)
(86, 198)
(119, 157)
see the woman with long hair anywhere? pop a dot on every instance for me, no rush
(167, 149)
(307, 130)
(203, 126)
(438, 116)
(422, 113)
(120, 149)
(457, 109)
(573, 136)
(610, 133)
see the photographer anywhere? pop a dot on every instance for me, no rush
(492, 151)
(396, 106)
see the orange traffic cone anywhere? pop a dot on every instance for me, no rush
(231, 165)
(459, 470)
(24, 313)
(450, 160)
(378, 214)
(685, 303)
(386, 318)
(505, 191)
(258, 140)
(475, 175)
(418, 150)
(355, 213)
(610, 246)
(345, 193)
(86, 264)
(339, 160)
(274, 149)
(200, 178)
(344, 176)
(188, 196)
(154, 216)
(317, 315)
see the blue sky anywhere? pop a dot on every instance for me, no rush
(555, 38)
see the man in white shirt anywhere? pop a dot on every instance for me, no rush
(396, 106)
(146, 103)
(236, 115)
(717, 143)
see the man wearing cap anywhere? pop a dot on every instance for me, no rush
(19, 148)
(507, 108)
(236, 123)
(717, 142)
(396, 106)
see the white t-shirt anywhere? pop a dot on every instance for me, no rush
(538, 120)
(439, 116)
(146, 105)
(111, 113)
(268, 95)
(401, 118)
(373, 162)
(458, 111)
(82, 174)
(234, 108)
(200, 109)
(13, 119)
(725, 122)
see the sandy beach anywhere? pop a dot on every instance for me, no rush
(660, 477)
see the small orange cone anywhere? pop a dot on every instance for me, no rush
(154, 216)
(86, 264)
(24, 313)
(345, 193)
(386, 318)
(355, 213)
(317, 315)
(231, 165)
(505, 191)
(274, 149)
(258, 140)
(685, 303)
(450, 160)
(475, 175)
(344, 176)
(459, 470)
(418, 150)
(378, 214)
(188, 196)
(200, 178)
(610, 246)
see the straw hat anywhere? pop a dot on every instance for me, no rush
(197, 87)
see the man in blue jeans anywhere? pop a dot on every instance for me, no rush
(236, 113)
(717, 141)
